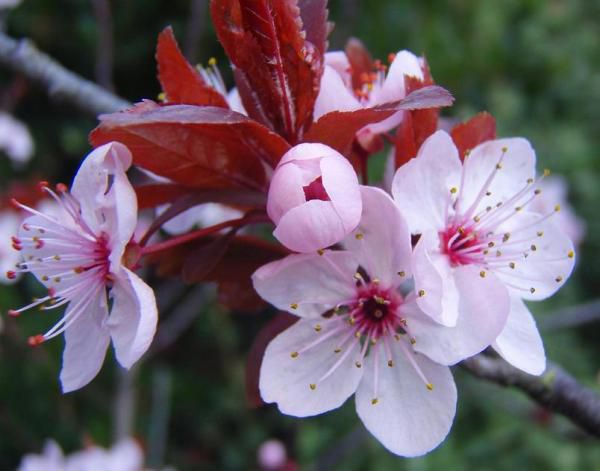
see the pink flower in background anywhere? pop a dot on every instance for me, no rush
(126, 455)
(555, 190)
(272, 455)
(15, 138)
(358, 334)
(383, 85)
(479, 234)
(314, 198)
(79, 259)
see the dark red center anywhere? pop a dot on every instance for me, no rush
(316, 191)
(456, 241)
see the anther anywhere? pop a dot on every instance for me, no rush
(518, 208)
(318, 328)
(11, 275)
(36, 340)
(320, 251)
(512, 265)
(558, 279)
(13, 313)
(390, 363)
(571, 254)
(491, 244)
(212, 62)
(488, 193)
(359, 236)
(537, 191)
(402, 273)
(429, 386)
(482, 273)
(546, 172)
(453, 190)
(312, 386)
(374, 401)
(421, 293)
(337, 350)
(61, 188)
(532, 290)
(413, 340)
(498, 166)
(397, 337)
(504, 150)
(533, 247)
(529, 181)
(294, 306)
(358, 364)
(557, 208)
(294, 354)
(540, 233)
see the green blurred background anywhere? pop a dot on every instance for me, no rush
(534, 64)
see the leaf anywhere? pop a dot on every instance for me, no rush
(268, 332)
(478, 129)
(153, 195)
(200, 147)
(314, 18)
(338, 129)
(278, 68)
(181, 83)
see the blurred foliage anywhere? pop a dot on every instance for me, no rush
(534, 64)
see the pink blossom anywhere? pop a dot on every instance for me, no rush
(272, 455)
(383, 85)
(358, 334)
(314, 198)
(9, 224)
(479, 234)
(80, 258)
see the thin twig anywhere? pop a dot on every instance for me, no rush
(556, 390)
(23, 57)
(571, 317)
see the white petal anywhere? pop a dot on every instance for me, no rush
(286, 380)
(334, 95)
(133, 318)
(517, 166)
(108, 201)
(383, 246)
(520, 343)
(404, 64)
(434, 280)
(86, 341)
(482, 313)
(315, 283)
(408, 419)
(421, 187)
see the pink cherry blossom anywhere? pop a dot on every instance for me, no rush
(382, 86)
(478, 234)
(314, 198)
(79, 257)
(358, 333)
(9, 224)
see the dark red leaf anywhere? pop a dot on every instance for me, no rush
(201, 147)
(180, 81)
(278, 68)
(467, 135)
(270, 330)
(314, 18)
(338, 129)
(360, 61)
(203, 260)
(153, 195)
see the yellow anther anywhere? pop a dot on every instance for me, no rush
(57, 279)
(318, 328)
(482, 273)
(571, 254)
(358, 364)
(379, 299)
(402, 273)
(374, 401)
(530, 181)
(421, 293)
(320, 251)
(453, 190)
(413, 340)
(557, 208)
(559, 279)
(498, 166)
(312, 386)
(390, 363)
(373, 341)
(294, 306)
(45, 278)
(351, 320)
(504, 149)
(161, 96)
(337, 350)
(294, 354)
(518, 208)
(512, 265)
(212, 61)
(357, 334)
(397, 337)
(429, 386)
(467, 153)
(540, 233)
(359, 236)
(546, 172)
(56, 257)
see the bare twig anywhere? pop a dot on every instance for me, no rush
(555, 390)
(571, 317)
(104, 44)
(60, 83)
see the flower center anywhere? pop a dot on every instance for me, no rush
(316, 191)
(375, 310)
(460, 245)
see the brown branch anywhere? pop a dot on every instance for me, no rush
(574, 316)
(23, 57)
(556, 390)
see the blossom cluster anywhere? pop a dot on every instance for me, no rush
(391, 282)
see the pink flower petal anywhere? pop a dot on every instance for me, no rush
(286, 191)
(133, 318)
(421, 187)
(287, 380)
(408, 419)
(86, 341)
(482, 313)
(315, 283)
(334, 95)
(393, 89)
(341, 183)
(520, 343)
(381, 241)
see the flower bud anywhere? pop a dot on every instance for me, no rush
(314, 198)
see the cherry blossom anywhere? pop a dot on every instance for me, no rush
(382, 85)
(358, 333)
(314, 198)
(81, 258)
(478, 233)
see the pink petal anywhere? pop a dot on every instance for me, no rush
(405, 63)
(341, 183)
(311, 226)
(434, 278)
(421, 187)
(108, 201)
(408, 419)
(383, 246)
(316, 283)
(517, 165)
(86, 341)
(482, 313)
(286, 380)
(133, 318)
(286, 191)
(338, 60)
(545, 269)
(520, 343)
(334, 95)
